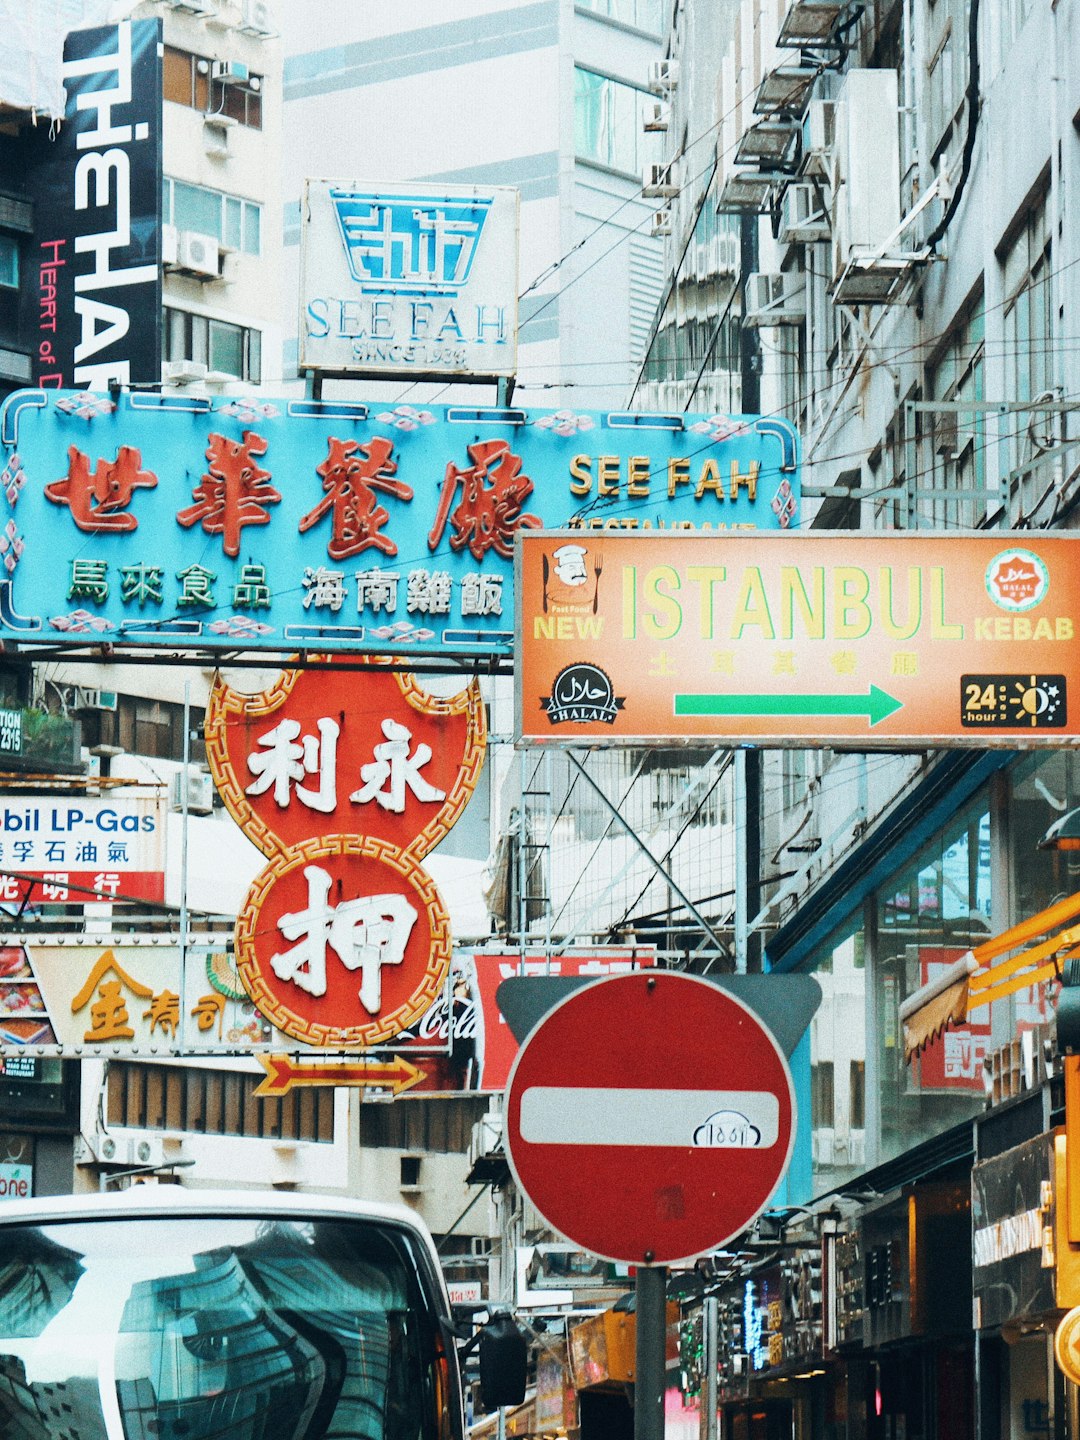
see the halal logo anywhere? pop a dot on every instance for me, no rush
(410, 244)
(1017, 579)
(583, 693)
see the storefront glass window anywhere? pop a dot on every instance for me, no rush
(838, 1063)
(928, 917)
(1043, 788)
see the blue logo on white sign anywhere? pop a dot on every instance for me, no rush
(410, 244)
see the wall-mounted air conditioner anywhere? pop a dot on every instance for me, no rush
(661, 223)
(197, 787)
(486, 1137)
(170, 245)
(660, 181)
(775, 299)
(90, 699)
(256, 19)
(184, 372)
(127, 1150)
(819, 136)
(663, 76)
(865, 166)
(199, 254)
(229, 72)
(717, 256)
(804, 218)
(655, 115)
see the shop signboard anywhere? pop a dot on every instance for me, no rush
(408, 280)
(73, 995)
(114, 845)
(343, 940)
(900, 640)
(97, 189)
(293, 525)
(649, 1117)
(496, 1044)
(1011, 1216)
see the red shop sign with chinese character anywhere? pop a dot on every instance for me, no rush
(345, 781)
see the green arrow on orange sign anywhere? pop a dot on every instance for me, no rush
(876, 705)
(283, 1073)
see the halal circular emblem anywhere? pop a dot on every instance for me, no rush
(1017, 579)
(582, 692)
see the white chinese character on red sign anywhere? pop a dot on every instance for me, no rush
(393, 763)
(365, 934)
(289, 758)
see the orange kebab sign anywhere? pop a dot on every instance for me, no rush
(884, 639)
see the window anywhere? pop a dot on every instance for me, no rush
(187, 80)
(959, 437)
(233, 222)
(226, 349)
(443, 1125)
(857, 1112)
(214, 1102)
(644, 14)
(607, 123)
(9, 262)
(145, 727)
(822, 1105)
(1029, 328)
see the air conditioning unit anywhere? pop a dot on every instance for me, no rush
(804, 219)
(865, 167)
(183, 372)
(230, 72)
(661, 223)
(199, 254)
(127, 1150)
(774, 299)
(660, 181)
(486, 1137)
(716, 256)
(819, 136)
(663, 76)
(170, 245)
(256, 19)
(87, 699)
(195, 788)
(655, 115)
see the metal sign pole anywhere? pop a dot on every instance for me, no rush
(710, 1324)
(650, 1351)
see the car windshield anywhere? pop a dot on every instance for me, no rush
(251, 1329)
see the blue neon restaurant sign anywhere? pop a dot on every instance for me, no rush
(180, 521)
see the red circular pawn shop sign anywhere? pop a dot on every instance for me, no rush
(649, 1117)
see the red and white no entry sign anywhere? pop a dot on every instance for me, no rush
(649, 1117)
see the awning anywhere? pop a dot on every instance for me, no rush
(991, 971)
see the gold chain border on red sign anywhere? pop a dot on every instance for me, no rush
(230, 707)
(389, 1024)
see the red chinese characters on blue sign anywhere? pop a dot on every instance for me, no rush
(158, 520)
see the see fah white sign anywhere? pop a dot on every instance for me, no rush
(408, 280)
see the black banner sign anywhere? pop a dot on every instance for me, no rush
(97, 215)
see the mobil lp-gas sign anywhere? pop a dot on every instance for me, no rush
(116, 846)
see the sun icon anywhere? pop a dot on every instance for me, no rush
(1037, 701)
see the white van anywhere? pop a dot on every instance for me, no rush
(162, 1313)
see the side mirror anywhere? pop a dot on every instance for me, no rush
(504, 1358)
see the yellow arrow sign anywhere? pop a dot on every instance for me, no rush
(283, 1072)
(1067, 1345)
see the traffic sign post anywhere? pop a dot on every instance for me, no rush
(649, 1118)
